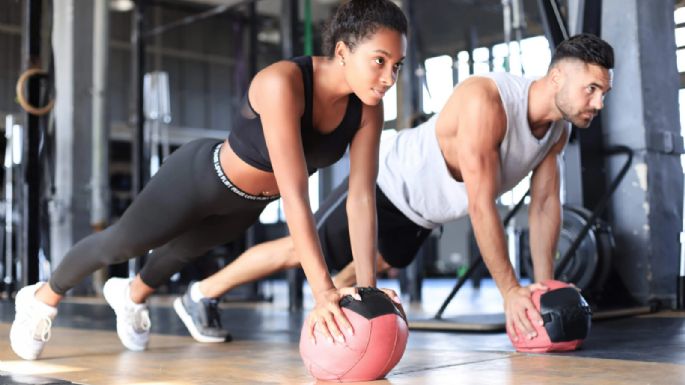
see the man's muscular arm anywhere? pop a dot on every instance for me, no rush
(544, 212)
(476, 108)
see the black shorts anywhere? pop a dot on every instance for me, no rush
(398, 237)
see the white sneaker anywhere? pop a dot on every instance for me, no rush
(133, 320)
(32, 321)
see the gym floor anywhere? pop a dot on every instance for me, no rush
(84, 349)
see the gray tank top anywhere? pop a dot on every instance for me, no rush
(413, 174)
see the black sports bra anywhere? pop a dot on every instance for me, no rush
(320, 150)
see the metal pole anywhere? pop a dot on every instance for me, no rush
(32, 45)
(137, 113)
(8, 279)
(288, 24)
(99, 149)
(680, 295)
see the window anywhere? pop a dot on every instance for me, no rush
(481, 61)
(390, 104)
(273, 212)
(462, 65)
(439, 83)
(535, 56)
(679, 18)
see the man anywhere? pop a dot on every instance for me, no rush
(492, 132)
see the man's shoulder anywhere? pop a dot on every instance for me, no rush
(478, 88)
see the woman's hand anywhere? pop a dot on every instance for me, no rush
(396, 299)
(328, 318)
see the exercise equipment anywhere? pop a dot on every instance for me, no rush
(567, 319)
(379, 340)
(589, 266)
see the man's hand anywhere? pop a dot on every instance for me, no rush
(520, 310)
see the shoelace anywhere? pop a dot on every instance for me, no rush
(38, 328)
(139, 318)
(212, 310)
(42, 329)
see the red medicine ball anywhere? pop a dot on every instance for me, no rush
(380, 336)
(567, 318)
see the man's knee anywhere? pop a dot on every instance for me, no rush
(381, 264)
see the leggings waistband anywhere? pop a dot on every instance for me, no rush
(227, 182)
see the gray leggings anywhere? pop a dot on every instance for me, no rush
(185, 210)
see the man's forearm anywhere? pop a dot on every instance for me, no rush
(544, 222)
(489, 234)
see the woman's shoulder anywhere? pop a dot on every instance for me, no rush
(280, 71)
(281, 80)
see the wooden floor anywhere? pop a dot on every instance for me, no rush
(97, 357)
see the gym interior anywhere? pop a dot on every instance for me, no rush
(95, 94)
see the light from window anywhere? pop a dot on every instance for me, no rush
(514, 195)
(390, 104)
(270, 212)
(681, 102)
(439, 79)
(680, 37)
(679, 15)
(314, 191)
(536, 56)
(462, 66)
(680, 59)
(481, 59)
(273, 212)
(500, 58)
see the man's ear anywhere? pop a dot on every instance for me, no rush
(556, 76)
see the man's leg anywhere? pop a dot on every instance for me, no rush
(263, 260)
(257, 262)
(347, 276)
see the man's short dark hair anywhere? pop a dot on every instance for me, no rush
(585, 47)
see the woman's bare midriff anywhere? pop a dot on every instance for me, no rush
(247, 178)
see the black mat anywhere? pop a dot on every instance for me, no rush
(464, 323)
(496, 322)
(653, 339)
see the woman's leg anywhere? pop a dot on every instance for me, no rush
(175, 199)
(170, 203)
(213, 231)
(170, 258)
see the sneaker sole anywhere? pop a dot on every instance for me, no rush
(24, 354)
(190, 325)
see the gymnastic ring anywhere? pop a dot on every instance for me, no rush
(39, 111)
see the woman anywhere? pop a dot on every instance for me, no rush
(299, 115)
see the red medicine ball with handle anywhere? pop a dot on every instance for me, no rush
(567, 319)
(379, 340)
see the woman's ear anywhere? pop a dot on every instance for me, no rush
(341, 52)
